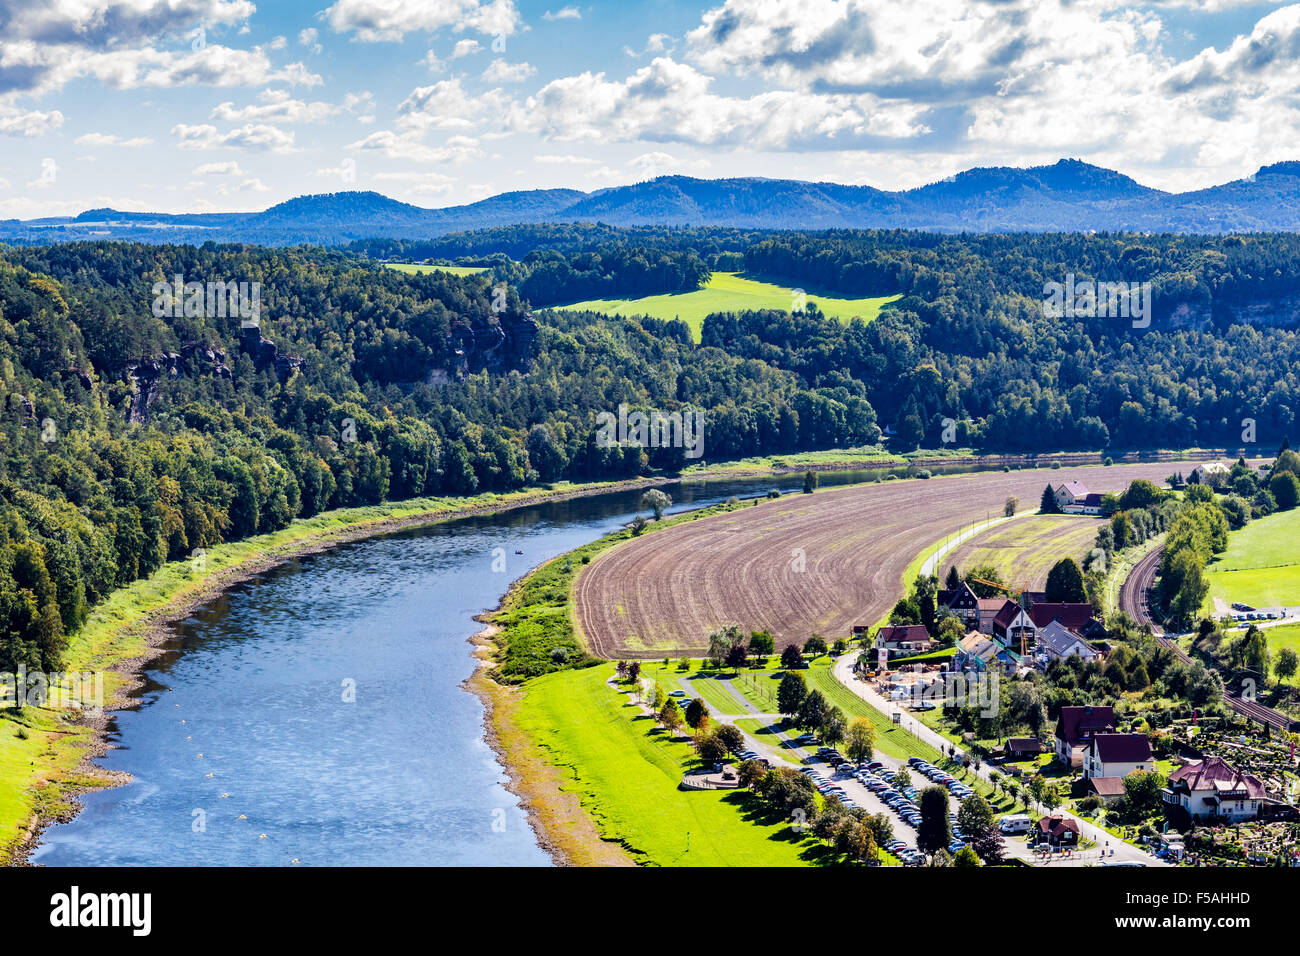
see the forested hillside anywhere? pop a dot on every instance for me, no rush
(128, 439)
(131, 437)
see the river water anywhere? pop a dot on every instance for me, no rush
(315, 713)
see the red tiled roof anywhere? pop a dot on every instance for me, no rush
(1008, 613)
(1025, 744)
(1073, 616)
(1107, 786)
(1215, 773)
(1074, 722)
(1122, 748)
(1057, 825)
(899, 633)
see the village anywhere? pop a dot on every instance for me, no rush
(1191, 778)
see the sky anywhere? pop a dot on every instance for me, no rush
(218, 105)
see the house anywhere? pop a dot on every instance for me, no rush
(988, 610)
(962, 601)
(1208, 473)
(1213, 788)
(1074, 617)
(1110, 790)
(1069, 494)
(1090, 505)
(1013, 625)
(1022, 748)
(904, 640)
(1056, 641)
(1056, 831)
(1075, 729)
(976, 652)
(1117, 755)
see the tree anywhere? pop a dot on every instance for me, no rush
(723, 645)
(697, 715)
(834, 727)
(671, 716)
(1009, 509)
(812, 711)
(861, 743)
(1285, 487)
(790, 657)
(656, 501)
(737, 654)
(816, 646)
(1065, 583)
(1048, 505)
(790, 693)
(761, 643)
(1142, 791)
(749, 773)
(710, 748)
(934, 832)
(809, 482)
(966, 858)
(976, 819)
(1286, 664)
(953, 581)
(731, 737)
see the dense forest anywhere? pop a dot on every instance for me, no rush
(131, 435)
(129, 438)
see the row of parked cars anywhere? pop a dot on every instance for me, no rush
(941, 777)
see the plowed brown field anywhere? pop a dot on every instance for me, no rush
(664, 593)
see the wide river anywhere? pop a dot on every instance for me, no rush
(315, 713)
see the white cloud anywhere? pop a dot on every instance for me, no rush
(565, 160)
(464, 48)
(564, 13)
(230, 168)
(499, 71)
(278, 43)
(410, 146)
(112, 139)
(27, 67)
(254, 137)
(106, 22)
(276, 106)
(16, 122)
(310, 38)
(376, 21)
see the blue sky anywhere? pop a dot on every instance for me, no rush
(198, 105)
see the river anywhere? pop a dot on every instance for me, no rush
(315, 714)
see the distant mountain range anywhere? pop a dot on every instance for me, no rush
(1068, 196)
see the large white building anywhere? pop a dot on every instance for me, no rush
(1213, 788)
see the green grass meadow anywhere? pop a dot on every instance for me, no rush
(1262, 564)
(732, 292)
(416, 268)
(625, 771)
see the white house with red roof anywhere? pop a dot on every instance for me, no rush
(1213, 788)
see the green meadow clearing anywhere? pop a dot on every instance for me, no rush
(415, 268)
(1261, 566)
(732, 292)
(625, 772)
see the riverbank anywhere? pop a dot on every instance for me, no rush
(47, 755)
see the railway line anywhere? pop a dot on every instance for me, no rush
(1135, 601)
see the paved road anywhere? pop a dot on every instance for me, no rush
(1124, 852)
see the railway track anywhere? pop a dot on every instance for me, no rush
(1135, 601)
